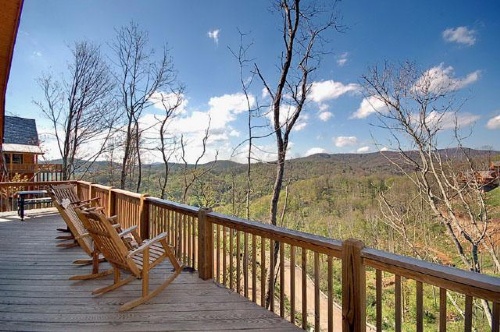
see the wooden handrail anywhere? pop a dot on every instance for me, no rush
(308, 241)
(126, 193)
(34, 184)
(183, 208)
(33, 168)
(461, 281)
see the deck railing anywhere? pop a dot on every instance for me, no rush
(8, 192)
(312, 273)
(33, 168)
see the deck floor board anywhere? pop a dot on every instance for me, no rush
(36, 295)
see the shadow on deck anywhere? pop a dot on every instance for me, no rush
(36, 295)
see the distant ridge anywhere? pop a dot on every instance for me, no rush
(360, 163)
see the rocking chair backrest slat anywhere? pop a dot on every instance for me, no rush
(66, 191)
(74, 223)
(108, 240)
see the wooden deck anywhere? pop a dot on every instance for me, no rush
(36, 295)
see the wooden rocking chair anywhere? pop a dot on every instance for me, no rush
(138, 262)
(82, 238)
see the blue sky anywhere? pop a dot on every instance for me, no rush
(457, 39)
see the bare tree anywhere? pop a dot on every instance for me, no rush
(304, 23)
(139, 76)
(168, 144)
(252, 111)
(416, 108)
(81, 109)
(114, 145)
(193, 173)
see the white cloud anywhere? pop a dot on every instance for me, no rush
(262, 152)
(325, 116)
(48, 143)
(494, 123)
(314, 151)
(182, 125)
(286, 112)
(342, 59)
(299, 126)
(343, 141)
(363, 149)
(460, 35)
(369, 106)
(385, 148)
(192, 126)
(36, 55)
(259, 152)
(323, 107)
(441, 79)
(450, 120)
(264, 93)
(214, 34)
(236, 102)
(234, 133)
(301, 122)
(50, 147)
(327, 90)
(224, 109)
(162, 100)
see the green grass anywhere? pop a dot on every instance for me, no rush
(493, 197)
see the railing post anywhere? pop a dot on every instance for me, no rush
(91, 194)
(144, 217)
(79, 189)
(353, 287)
(111, 202)
(205, 245)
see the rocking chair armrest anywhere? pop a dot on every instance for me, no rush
(79, 204)
(126, 231)
(91, 208)
(84, 235)
(85, 202)
(114, 220)
(146, 243)
(89, 200)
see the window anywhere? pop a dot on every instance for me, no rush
(17, 158)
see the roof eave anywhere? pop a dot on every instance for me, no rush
(10, 17)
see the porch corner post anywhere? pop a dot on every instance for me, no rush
(205, 245)
(353, 287)
(144, 217)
